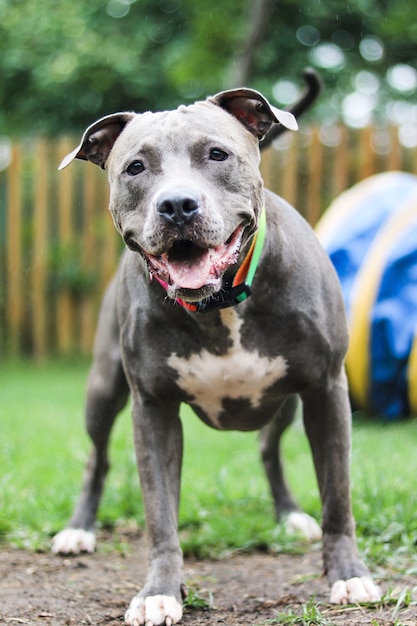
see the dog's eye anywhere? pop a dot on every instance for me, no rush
(218, 155)
(135, 168)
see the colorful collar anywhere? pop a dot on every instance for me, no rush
(240, 289)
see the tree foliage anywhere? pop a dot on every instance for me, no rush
(64, 63)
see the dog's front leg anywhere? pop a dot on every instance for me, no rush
(327, 419)
(158, 443)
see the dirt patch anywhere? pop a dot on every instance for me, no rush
(244, 589)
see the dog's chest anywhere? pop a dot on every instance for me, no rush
(210, 380)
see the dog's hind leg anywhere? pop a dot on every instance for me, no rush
(327, 421)
(107, 393)
(286, 509)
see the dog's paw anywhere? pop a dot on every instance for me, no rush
(153, 611)
(73, 541)
(355, 590)
(303, 524)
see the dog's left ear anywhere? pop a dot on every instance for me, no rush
(253, 110)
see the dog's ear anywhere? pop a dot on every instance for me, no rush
(98, 140)
(253, 110)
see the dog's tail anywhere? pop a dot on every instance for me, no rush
(311, 91)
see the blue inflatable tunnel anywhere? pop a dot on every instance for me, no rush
(370, 234)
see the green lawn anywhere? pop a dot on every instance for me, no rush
(225, 500)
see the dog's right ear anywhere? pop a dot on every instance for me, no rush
(98, 140)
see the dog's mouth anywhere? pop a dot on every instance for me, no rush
(187, 267)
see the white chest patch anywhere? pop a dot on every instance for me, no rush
(238, 374)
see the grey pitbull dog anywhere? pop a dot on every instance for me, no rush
(224, 300)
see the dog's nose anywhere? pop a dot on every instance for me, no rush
(178, 208)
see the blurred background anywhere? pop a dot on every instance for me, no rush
(64, 64)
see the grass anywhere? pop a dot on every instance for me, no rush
(225, 499)
(310, 615)
(313, 613)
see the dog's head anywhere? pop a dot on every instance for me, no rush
(185, 187)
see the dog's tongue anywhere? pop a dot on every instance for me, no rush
(191, 273)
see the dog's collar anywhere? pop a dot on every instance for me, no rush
(240, 289)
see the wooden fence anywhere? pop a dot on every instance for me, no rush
(59, 248)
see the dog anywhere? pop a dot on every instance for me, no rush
(225, 300)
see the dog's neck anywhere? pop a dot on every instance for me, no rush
(240, 288)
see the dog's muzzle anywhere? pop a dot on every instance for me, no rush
(187, 267)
